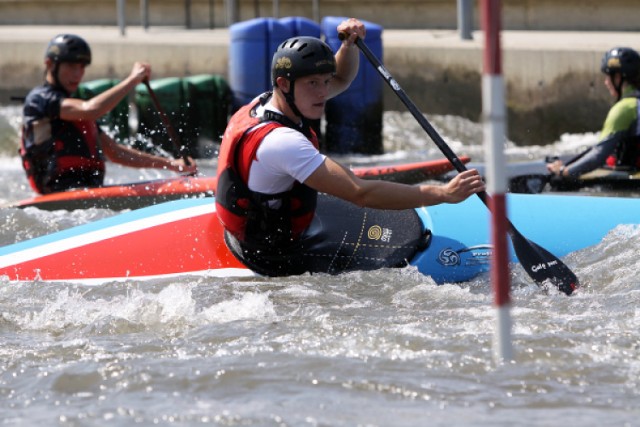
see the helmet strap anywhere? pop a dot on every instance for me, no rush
(290, 98)
(618, 88)
(54, 73)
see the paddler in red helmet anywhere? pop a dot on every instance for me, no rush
(270, 169)
(62, 146)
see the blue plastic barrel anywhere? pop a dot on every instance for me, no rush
(354, 118)
(252, 46)
(299, 26)
(253, 43)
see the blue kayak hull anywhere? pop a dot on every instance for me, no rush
(561, 224)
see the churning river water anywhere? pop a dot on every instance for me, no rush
(383, 348)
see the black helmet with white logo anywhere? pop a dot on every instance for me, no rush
(625, 61)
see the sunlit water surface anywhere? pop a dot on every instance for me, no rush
(384, 348)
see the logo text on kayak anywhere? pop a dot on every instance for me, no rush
(474, 255)
(378, 233)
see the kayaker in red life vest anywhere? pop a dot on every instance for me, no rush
(619, 145)
(62, 146)
(270, 170)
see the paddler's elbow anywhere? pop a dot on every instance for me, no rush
(360, 192)
(361, 198)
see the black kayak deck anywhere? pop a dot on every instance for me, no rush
(342, 237)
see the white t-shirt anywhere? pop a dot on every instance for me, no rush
(284, 156)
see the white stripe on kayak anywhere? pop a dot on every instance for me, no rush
(92, 237)
(218, 273)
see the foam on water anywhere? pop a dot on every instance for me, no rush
(368, 346)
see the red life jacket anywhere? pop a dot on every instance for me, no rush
(249, 215)
(73, 150)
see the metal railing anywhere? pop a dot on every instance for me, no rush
(464, 8)
(144, 14)
(465, 19)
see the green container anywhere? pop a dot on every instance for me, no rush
(209, 101)
(170, 94)
(198, 108)
(117, 120)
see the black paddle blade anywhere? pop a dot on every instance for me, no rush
(541, 265)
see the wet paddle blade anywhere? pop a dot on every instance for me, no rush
(541, 265)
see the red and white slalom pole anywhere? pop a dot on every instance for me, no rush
(494, 113)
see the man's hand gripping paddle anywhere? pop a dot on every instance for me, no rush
(541, 265)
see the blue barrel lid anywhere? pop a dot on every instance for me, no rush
(330, 23)
(301, 26)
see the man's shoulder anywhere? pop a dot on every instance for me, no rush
(283, 138)
(43, 101)
(45, 90)
(44, 94)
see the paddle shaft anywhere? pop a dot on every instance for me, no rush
(535, 259)
(435, 136)
(173, 136)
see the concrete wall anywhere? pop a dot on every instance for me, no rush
(553, 80)
(582, 15)
(552, 102)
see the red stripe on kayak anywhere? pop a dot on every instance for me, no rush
(189, 245)
(136, 195)
(431, 168)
